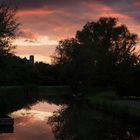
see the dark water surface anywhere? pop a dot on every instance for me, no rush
(40, 117)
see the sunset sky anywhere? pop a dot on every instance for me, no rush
(45, 22)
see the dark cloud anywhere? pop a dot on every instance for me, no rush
(41, 3)
(128, 7)
(62, 3)
(72, 12)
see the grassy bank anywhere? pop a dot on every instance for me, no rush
(108, 102)
(15, 98)
(49, 90)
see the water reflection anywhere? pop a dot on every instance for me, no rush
(60, 118)
(79, 122)
(16, 101)
(31, 123)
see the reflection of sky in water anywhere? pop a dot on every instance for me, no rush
(31, 124)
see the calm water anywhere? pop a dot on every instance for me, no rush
(31, 123)
(39, 117)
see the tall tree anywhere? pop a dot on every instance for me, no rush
(8, 28)
(100, 52)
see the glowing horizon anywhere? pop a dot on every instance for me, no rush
(45, 22)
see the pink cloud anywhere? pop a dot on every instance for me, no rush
(114, 14)
(95, 5)
(62, 22)
(136, 3)
(104, 10)
(28, 12)
(28, 34)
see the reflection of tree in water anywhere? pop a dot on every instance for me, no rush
(15, 101)
(78, 122)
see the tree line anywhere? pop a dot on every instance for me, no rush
(101, 55)
(13, 69)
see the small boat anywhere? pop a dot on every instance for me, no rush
(5, 120)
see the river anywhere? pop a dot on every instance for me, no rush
(38, 117)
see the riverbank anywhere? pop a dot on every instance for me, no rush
(49, 90)
(106, 101)
(109, 102)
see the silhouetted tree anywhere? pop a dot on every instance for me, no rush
(8, 28)
(102, 53)
(78, 122)
(47, 74)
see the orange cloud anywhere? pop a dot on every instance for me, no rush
(34, 12)
(95, 5)
(114, 14)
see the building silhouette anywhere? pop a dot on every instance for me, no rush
(31, 59)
